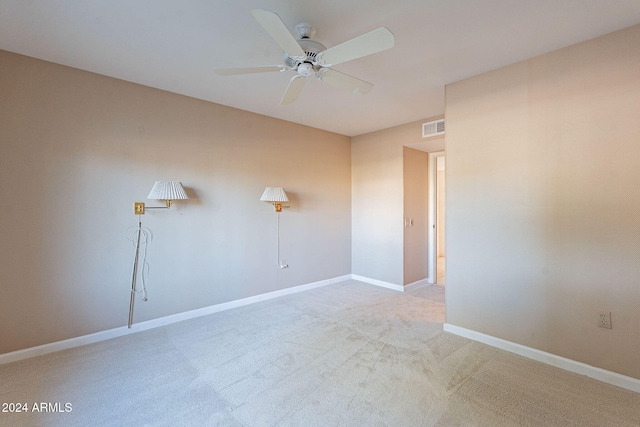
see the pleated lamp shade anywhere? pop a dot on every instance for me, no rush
(274, 194)
(167, 190)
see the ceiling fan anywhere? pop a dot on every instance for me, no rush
(308, 57)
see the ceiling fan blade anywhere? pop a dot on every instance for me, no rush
(366, 44)
(249, 70)
(293, 90)
(343, 81)
(279, 32)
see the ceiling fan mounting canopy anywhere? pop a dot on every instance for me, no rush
(309, 57)
(305, 31)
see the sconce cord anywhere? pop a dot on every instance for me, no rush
(281, 264)
(140, 238)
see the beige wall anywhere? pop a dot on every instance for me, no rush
(416, 208)
(543, 202)
(77, 149)
(377, 204)
(440, 208)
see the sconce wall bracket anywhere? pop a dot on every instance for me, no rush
(279, 206)
(139, 208)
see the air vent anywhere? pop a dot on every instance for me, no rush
(433, 128)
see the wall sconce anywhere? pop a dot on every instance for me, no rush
(276, 195)
(162, 190)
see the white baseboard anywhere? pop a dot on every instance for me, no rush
(417, 283)
(154, 323)
(600, 374)
(26, 353)
(377, 282)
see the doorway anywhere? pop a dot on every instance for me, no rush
(437, 245)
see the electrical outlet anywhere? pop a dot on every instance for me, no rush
(604, 319)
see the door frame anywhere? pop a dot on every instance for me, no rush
(432, 247)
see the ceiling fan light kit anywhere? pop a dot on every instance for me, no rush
(308, 57)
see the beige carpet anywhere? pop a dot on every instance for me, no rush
(349, 355)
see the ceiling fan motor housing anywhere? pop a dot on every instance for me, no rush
(311, 50)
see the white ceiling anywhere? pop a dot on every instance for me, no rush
(175, 45)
